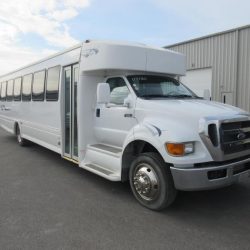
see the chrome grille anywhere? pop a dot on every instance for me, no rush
(235, 137)
(226, 137)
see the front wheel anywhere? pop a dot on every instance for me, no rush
(151, 181)
(21, 141)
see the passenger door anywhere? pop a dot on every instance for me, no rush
(70, 128)
(114, 121)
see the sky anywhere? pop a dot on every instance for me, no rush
(33, 29)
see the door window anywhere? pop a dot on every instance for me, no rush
(118, 90)
(67, 79)
(75, 130)
(70, 120)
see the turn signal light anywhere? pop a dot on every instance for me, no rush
(180, 149)
(176, 149)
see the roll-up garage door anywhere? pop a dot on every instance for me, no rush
(198, 80)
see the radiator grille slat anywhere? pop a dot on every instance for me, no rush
(235, 137)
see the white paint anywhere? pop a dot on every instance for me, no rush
(198, 80)
(99, 56)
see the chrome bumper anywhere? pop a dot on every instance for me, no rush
(205, 178)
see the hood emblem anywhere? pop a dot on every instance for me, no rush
(241, 136)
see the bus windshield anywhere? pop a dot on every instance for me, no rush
(151, 86)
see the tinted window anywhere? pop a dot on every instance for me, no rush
(53, 83)
(17, 89)
(3, 91)
(10, 90)
(118, 90)
(38, 86)
(26, 91)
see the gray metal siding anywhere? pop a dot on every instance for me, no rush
(228, 55)
(243, 87)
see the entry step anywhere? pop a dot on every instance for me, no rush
(102, 172)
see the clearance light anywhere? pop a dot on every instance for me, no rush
(180, 149)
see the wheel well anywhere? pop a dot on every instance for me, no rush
(131, 151)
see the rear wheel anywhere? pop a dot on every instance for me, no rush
(151, 181)
(21, 141)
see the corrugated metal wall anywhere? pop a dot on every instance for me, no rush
(228, 54)
(243, 86)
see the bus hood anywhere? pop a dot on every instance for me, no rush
(184, 112)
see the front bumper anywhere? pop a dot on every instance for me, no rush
(212, 177)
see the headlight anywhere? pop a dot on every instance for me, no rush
(180, 149)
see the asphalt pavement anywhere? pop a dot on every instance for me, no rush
(47, 202)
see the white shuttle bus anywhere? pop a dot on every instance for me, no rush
(118, 110)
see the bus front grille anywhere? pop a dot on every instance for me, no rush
(235, 137)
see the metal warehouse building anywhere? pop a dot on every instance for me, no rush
(221, 63)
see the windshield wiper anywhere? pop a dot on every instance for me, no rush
(152, 96)
(187, 96)
(181, 96)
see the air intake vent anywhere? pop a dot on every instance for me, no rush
(213, 135)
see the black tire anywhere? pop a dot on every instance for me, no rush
(150, 167)
(21, 141)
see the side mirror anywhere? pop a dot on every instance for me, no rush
(103, 93)
(206, 94)
(128, 102)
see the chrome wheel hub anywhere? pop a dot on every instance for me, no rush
(146, 182)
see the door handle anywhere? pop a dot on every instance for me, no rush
(128, 115)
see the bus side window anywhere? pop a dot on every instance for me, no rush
(17, 89)
(52, 88)
(3, 91)
(26, 90)
(9, 97)
(38, 86)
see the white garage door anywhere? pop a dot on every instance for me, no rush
(198, 80)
